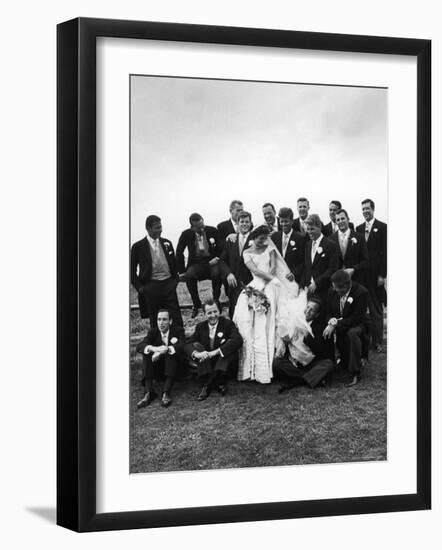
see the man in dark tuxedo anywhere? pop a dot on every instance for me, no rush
(214, 347)
(375, 235)
(320, 260)
(303, 206)
(332, 226)
(203, 246)
(320, 367)
(163, 352)
(270, 219)
(290, 244)
(231, 225)
(232, 266)
(352, 250)
(154, 274)
(346, 318)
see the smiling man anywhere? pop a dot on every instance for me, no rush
(214, 348)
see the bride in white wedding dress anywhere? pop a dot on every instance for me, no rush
(269, 313)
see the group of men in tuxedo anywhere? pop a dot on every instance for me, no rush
(343, 269)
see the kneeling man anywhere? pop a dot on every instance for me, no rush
(347, 319)
(163, 351)
(322, 365)
(214, 347)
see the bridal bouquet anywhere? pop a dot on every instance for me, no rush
(258, 301)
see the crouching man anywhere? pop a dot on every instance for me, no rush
(163, 352)
(214, 348)
(319, 370)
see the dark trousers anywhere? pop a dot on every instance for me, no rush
(311, 375)
(350, 345)
(215, 369)
(164, 369)
(201, 272)
(233, 298)
(376, 315)
(159, 294)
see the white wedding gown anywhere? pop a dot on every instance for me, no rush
(263, 333)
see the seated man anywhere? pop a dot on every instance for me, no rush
(347, 320)
(163, 351)
(323, 363)
(203, 246)
(214, 346)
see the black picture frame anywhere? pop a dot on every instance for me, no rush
(76, 274)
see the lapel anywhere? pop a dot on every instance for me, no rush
(350, 244)
(146, 246)
(291, 238)
(347, 303)
(317, 256)
(370, 235)
(219, 329)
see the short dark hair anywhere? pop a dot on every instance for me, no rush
(315, 220)
(342, 211)
(210, 302)
(152, 220)
(195, 217)
(245, 214)
(260, 230)
(232, 204)
(315, 300)
(285, 212)
(370, 201)
(165, 310)
(268, 204)
(302, 199)
(341, 277)
(338, 203)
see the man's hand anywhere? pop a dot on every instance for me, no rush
(211, 354)
(328, 331)
(200, 355)
(232, 237)
(311, 289)
(350, 271)
(162, 350)
(290, 277)
(231, 280)
(214, 261)
(381, 280)
(156, 357)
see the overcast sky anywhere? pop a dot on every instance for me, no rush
(198, 144)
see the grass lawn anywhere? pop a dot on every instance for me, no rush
(253, 425)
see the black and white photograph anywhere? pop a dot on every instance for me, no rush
(258, 270)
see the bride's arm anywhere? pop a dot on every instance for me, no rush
(272, 263)
(250, 264)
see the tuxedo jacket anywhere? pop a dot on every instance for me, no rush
(233, 262)
(227, 337)
(356, 255)
(327, 230)
(141, 261)
(321, 348)
(153, 338)
(224, 229)
(377, 250)
(325, 263)
(355, 309)
(187, 240)
(295, 252)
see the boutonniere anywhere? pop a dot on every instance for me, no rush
(212, 240)
(220, 334)
(375, 229)
(350, 300)
(173, 340)
(322, 255)
(166, 245)
(294, 248)
(292, 243)
(354, 240)
(223, 340)
(319, 250)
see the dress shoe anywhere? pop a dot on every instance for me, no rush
(204, 393)
(194, 312)
(166, 400)
(352, 381)
(222, 389)
(147, 399)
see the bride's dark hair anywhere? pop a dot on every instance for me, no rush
(260, 230)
